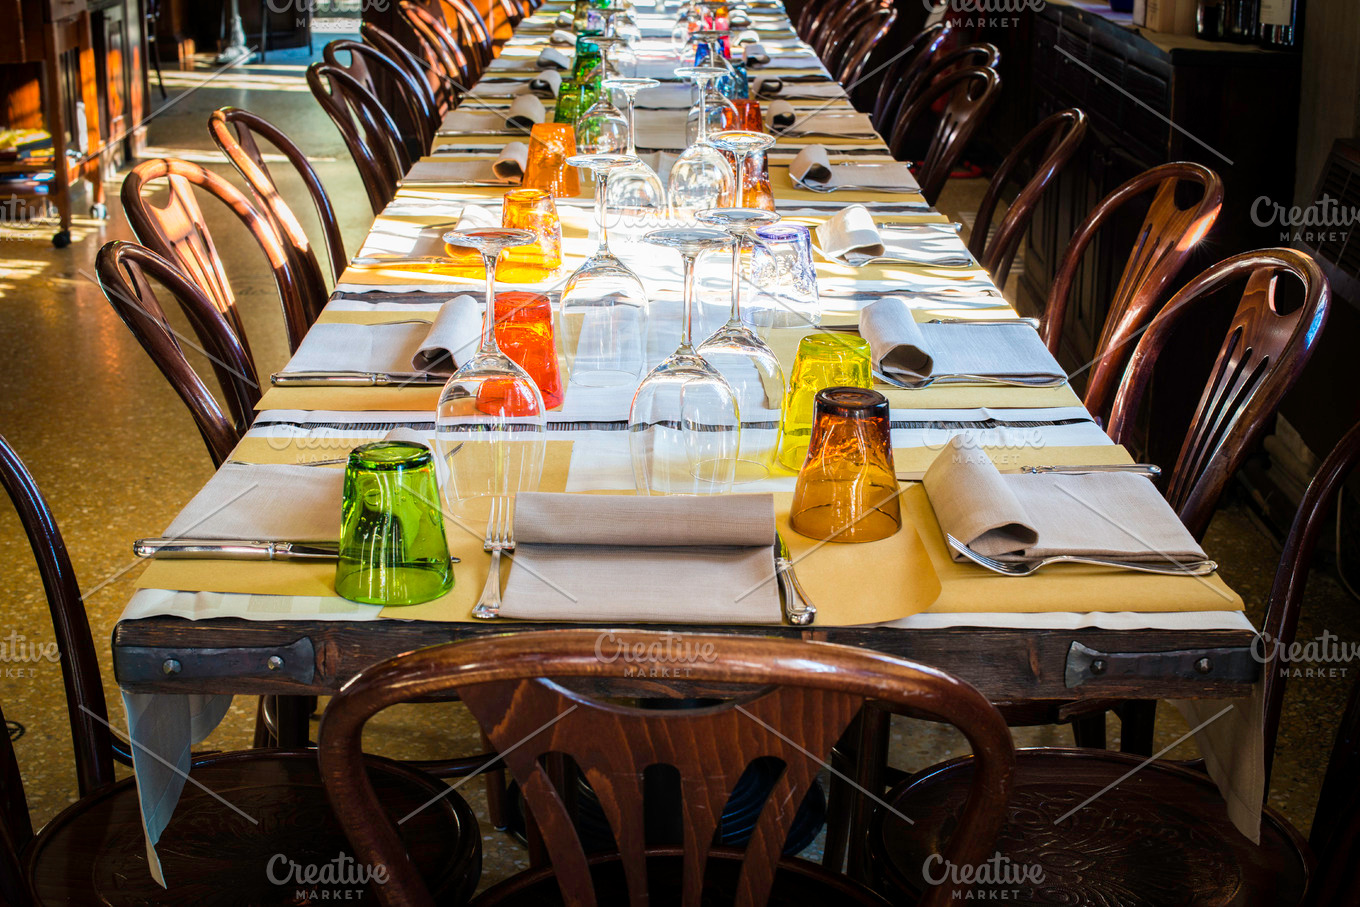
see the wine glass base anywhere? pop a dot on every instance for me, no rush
(748, 471)
(603, 378)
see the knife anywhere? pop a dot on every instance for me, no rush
(237, 550)
(1138, 469)
(355, 379)
(798, 608)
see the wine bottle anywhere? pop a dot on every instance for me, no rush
(1281, 23)
(1209, 20)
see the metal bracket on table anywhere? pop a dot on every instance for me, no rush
(149, 664)
(1085, 664)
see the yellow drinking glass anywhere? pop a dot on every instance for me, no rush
(550, 144)
(824, 360)
(535, 211)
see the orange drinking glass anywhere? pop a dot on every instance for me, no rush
(532, 210)
(847, 489)
(524, 332)
(755, 169)
(550, 144)
(748, 115)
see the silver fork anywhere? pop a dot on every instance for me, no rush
(498, 538)
(1188, 568)
(990, 380)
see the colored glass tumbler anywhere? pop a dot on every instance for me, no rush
(392, 545)
(524, 332)
(824, 360)
(785, 280)
(847, 490)
(532, 210)
(550, 144)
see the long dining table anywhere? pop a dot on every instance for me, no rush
(198, 632)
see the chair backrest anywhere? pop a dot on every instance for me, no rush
(838, 25)
(906, 66)
(516, 687)
(856, 50)
(473, 32)
(415, 117)
(237, 132)
(1259, 360)
(179, 232)
(971, 93)
(439, 89)
(1164, 241)
(438, 45)
(367, 128)
(123, 269)
(1051, 144)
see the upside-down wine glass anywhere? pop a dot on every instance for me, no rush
(607, 298)
(742, 145)
(635, 188)
(490, 423)
(603, 129)
(701, 177)
(749, 365)
(684, 427)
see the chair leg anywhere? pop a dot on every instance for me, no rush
(495, 793)
(1137, 724)
(292, 721)
(264, 28)
(1088, 731)
(839, 795)
(264, 736)
(872, 746)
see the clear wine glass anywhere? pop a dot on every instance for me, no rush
(721, 113)
(741, 143)
(684, 427)
(490, 424)
(701, 177)
(607, 299)
(635, 188)
(749, 365)
(603, 129)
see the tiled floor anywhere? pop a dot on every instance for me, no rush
(117, 456)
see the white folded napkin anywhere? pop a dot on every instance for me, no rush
(812, 167)
(768, 86)
(849, 230)
(526, 111)
(1027, 517)
(755, 54)
(782, 115)
(545, 85)
(907, 351)
(265, 502)
(562, 37)
(511, 162)
(441, 171)
(395, 348)
(565, 20)
(674, 559)
(555, 58)
(748, 36)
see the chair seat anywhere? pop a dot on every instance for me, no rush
(1161, 837)
(796, 883)
(94, 852)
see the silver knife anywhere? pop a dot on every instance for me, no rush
(1032, 322)
(1138, 469)
(237, 550)
(798, 608)
(355, 379)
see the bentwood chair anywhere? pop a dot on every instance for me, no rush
(414, 113)
(852, 55)
(519, 687)
(1162, 835)
(1049, 146)
(93, 852)
(369, 132)
(440, 89)
(178, 231)
(238, 133)
(455, 59)
(906, 65)
(941, 64)
(837, 24)
(968, 94)
(473, 34)
(1167, 236)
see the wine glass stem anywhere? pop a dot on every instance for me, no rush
(632, 145)
(489, 261)
(735, 317)
(740, 158)
(687, 337)
(702, 135)
(602, 208)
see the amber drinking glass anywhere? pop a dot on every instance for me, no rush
(524, 332)
(847, 490)
(823, 360)
(550, 144)
(532, 210)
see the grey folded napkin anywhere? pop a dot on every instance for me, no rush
(676, 559)
(812, 167)
(749, 36)
(565, 20)
(562, 38)
(265, 502)
(738, 19)
(823, 122)
(756, 54)
(1027, 517)
(851, 229)
(907, 351)
(526, 111)
(555, 58)
(507, 167)
(782, 115)
(544, 86)
(438, 347)
(768, 86)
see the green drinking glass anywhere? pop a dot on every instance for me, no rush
(392, 545)
(824, 360)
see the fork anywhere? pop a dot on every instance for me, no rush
(1189, 568)
(498, 538)
(958, 261)
(989, 380)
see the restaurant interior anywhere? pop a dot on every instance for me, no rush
(686, 452)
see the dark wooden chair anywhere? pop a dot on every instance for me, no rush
(440, 47)
(1047, 147)
(1164, 241)
(915, 82)
(1258, 362)
(853, 53)
(177, 230)
(238, 133)
(1161, 836)
(93, 852)
(836, 24)
(474, 35)
(970, 94)
(441, 89)
(520, 688)
(903, 71)
(369, 132)
(415, 114)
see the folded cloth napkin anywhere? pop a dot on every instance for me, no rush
(474, 216)
(511, 162)
(562, 37)
(768, 86)
(849, 230)
(812, 167)
(472, 121)
(265, 502)
(738, 19)
(565, 20)
(678, 559)
(782, 115)
(395, 348)
(824, 122)
(555, 58)
(477, 171)
(755, 54)
(526, 111)
(908, 351)
(546, 85)
(748, 36)
(1028, 517)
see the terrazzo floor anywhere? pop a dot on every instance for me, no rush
(117, 456)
